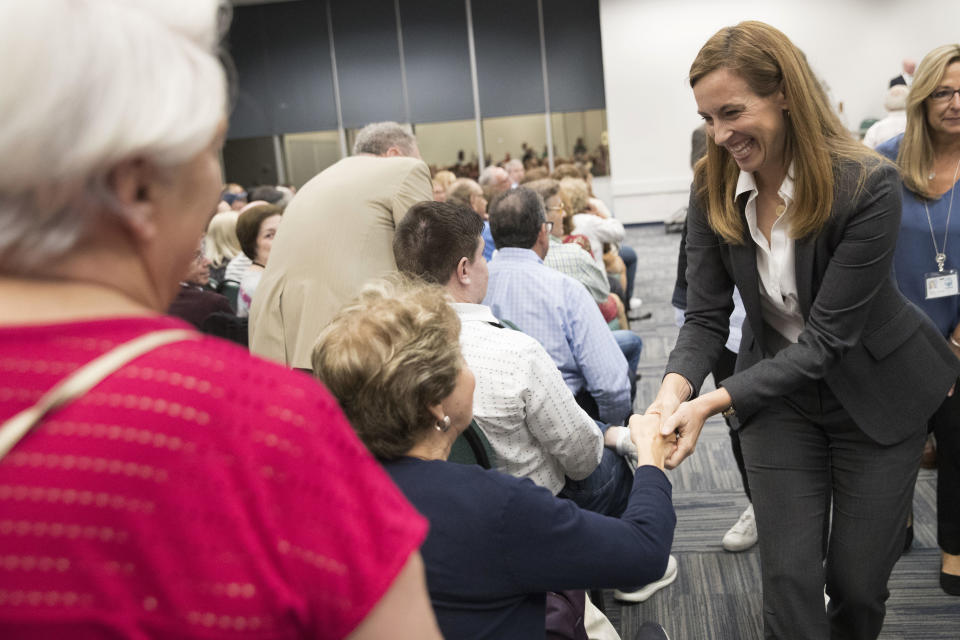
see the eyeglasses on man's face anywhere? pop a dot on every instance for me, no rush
(558, 207)
(943, 95)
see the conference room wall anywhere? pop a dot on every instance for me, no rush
(856, 46)
(409, 61)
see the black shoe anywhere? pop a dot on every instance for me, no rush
(950, 583)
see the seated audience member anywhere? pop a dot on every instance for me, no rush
(554, 308)
(256, 228)
(195, 302)
(441, 182)
(589, 223)
(221, 244)
(235, 196)
(493, 180)
(895, 121)
(268, 194)
(536, 173)
(571, 259)
(467, 193)
(238, 265)
(185, 490)
(496, 543)
(605, 234)
(516, 172)
(533, 423)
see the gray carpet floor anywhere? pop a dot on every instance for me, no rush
(717, 594)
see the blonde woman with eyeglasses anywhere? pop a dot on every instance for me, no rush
(927, 258)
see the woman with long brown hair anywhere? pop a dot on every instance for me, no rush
(837, 373)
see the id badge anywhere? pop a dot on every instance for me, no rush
(941, 284)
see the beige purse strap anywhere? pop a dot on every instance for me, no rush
(82, 380)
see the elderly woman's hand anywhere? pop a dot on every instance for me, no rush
(653, 448)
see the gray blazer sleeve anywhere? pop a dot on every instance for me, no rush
(709, 300)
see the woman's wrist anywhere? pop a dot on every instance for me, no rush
(716, 401)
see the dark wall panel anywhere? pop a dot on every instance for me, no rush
(507, 36)
(437, 58)
(282, 55)
(368, 61)
(250, 161)
(574, 55)
(251, 115)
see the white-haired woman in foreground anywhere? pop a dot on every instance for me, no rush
(181, 489)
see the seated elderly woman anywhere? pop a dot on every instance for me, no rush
(497, 543)
(157, 483)
(221, 244)
(256, 228)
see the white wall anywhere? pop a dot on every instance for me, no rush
(856, 46)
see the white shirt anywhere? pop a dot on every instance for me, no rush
(598, 230)
(776, 260)
(237, 267)
(248, 287)
(882, 130)
(523, 406)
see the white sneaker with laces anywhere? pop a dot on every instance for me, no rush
(743, 534)
(641, 594)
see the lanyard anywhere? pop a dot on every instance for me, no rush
(941, 256)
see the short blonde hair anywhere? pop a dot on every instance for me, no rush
(915, 157)
(388, 357)
(575, 195)
(221, 244)
(445, 178)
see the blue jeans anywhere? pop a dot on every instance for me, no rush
(631, 345)
(606, 490)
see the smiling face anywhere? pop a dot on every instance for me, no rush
(944, 117)
(751, 128)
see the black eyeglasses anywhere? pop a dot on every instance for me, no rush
(943, 95)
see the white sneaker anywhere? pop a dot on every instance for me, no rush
(743, 534)
(641, 594)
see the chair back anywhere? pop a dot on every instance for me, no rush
(472, 447)
(230, 289)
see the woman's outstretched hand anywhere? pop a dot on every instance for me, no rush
(684, 419)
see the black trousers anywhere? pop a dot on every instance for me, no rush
(802, 454)
(945, 425)
(723, 369)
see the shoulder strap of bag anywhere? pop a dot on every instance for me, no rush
(82, 380)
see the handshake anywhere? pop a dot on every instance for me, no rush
(671, 424)
(642, 441)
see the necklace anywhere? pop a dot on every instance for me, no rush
(941, 256)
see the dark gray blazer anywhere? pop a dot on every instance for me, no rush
(881, 357)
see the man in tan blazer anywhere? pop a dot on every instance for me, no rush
(336, 234)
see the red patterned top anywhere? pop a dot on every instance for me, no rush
(197, 493)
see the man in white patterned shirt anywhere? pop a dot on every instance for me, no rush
(521, 403)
